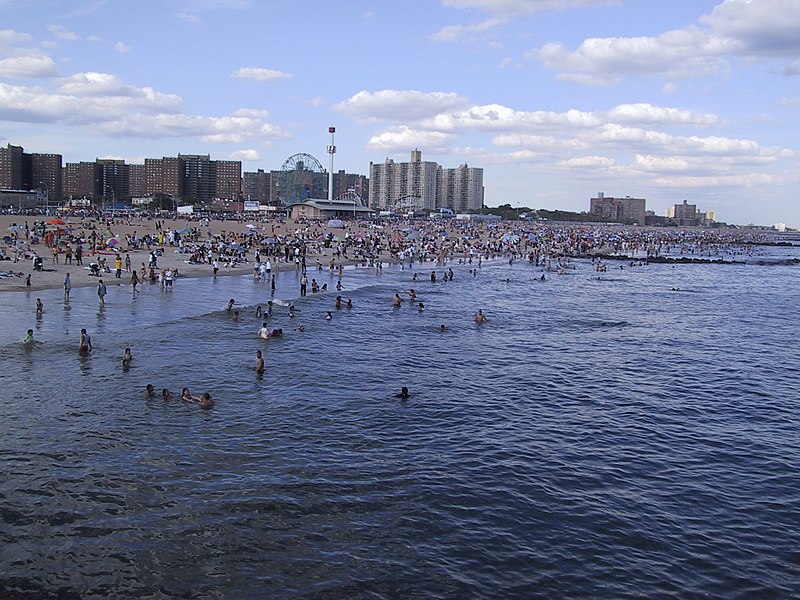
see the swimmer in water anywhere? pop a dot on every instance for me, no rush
(329, 316)
(231, 302)
(206, 401)
(150, 391)
(396, 301)
(300, 329)
(235, 315)
(187, 395)
(165, 394)
(127, 357)
(263, 333)
(291, 310)
(258, 311)
(28, 339)
(349, 303)
(39, 307)
(480, 317)
(404, 393)
(421, 307)
(442, 327)
(412, 295)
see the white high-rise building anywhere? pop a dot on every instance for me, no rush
(424, 185)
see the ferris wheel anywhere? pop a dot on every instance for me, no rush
(301, 177)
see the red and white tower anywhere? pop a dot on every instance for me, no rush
(331, 151)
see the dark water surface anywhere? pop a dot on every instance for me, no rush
(596, 438)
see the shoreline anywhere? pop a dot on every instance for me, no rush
(52, 275)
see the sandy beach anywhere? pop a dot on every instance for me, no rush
(52, 275)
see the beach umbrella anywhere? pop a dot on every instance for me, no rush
(56, 222)
(6, 239)
(185, 230)
(112, 242)
(16, 228)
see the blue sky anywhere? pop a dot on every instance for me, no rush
(555, 99)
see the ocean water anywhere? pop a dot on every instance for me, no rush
(627, 434)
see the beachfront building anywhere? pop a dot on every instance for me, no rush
(163, 176)
(350, 182)
(79, 179)
(20, 170)
(226, 177)
(687, 215)
(419, 184)
(621, 210)
(347, 206)
(256, 186)
(112, 183)
(137, 182)
(460, 189)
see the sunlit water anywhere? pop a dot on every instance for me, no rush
(622, 434)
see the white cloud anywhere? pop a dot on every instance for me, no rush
(188, 18)
(245, 155)
(749, 29)
(397, 139)
(394, 105)
(259, 74)
(676, 54)
(588, 162)
(765, 28)
(122, 47)
(643, 113)
(496, 117)
(108, 105)
(9, 37)
(548, 143)
(109, 90)
(28, 67)
(518, 8)
(790, 101)
(502, 11)
(63, 33)
(451, 33)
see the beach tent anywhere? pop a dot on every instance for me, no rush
(337, 223)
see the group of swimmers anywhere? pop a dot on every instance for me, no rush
(205, 401)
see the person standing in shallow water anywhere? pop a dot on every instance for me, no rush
(259, 363)
(101, 292)
(67, 287)
(86, 342)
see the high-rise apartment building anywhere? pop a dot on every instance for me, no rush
(255, 186)
(79, 179)
(226, 179)
(424, 185)
(113, 180)
(460, 189)
(162, 176)
(20, 170)
(622, 210)
(11, 177)
(137, 184)
(196, 177)
(344, 182)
